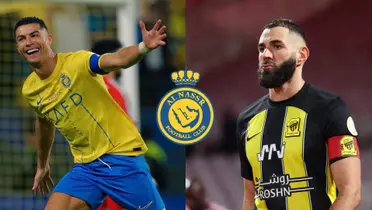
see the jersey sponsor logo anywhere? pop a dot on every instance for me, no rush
(185, 115)
(61, 109)
(348, 146)
(279, 186)
(293, 127)
(270, 150)
(351, 126)
(65, 80)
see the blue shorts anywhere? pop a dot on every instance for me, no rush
(126, 180)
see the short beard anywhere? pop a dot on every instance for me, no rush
(276, 77)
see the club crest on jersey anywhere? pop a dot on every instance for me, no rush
(293, 127)
(348, 146)
(66, 81)
(185, 115)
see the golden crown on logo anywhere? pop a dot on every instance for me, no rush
(185, 77)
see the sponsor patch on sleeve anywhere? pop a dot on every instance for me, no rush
(351, 126)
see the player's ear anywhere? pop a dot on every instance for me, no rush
(50, 39)
(303, 55)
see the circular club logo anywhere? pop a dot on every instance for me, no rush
(185, 115)
(66, 81)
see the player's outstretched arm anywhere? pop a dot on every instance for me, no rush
(248, 199)
(347, 176)
(45, 132)
(129, 56)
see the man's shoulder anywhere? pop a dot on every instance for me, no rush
(254, 108)
(81, 54)
(321, 92)
(321, 96)
(77, 60)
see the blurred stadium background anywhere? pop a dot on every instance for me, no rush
(76, 25)
(222, 41)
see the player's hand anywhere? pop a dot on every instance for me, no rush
(154, 37)
(42, 181)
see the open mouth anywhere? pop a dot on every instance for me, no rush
(32, 51)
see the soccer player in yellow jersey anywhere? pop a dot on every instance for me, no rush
(68, 92)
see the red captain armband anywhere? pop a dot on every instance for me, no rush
(342, 146)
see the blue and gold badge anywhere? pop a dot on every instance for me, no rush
(65, 80)
(185, 115)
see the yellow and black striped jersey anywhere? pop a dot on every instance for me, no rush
(286, 148)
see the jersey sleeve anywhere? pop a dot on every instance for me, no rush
(245, 166)
(89, 61)
(94, 64)
(340, 132)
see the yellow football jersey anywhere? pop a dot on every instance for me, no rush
(77, 102)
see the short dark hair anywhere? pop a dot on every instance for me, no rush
(30, 20)
(106, 46)
(287, 23)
